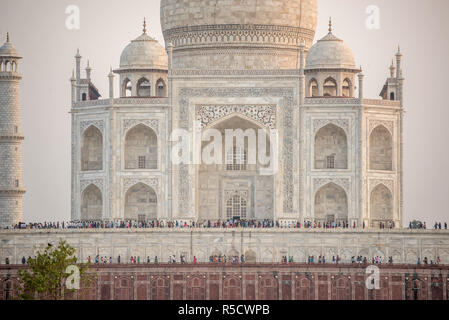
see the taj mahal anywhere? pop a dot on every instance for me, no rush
(239, 67)
(227, 64)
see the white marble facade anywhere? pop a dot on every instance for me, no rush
(339, 154)
(265, 245)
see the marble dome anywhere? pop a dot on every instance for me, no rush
(188, 13)
(144, 53)
(330, 53)
(8, 50)
(237, 34)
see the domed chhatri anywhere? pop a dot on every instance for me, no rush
(9, 57)
(144, 53)
(330, 53)
(234, 34)
(143, 68)
(8, 49)
(330, 68)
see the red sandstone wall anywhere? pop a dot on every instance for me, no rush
(254, 282)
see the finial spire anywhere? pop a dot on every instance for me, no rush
(7, 36)
(399, 52)
(144, 25)
(330, 24)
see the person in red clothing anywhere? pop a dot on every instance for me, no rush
(194, 260)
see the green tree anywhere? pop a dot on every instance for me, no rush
(46, 277)
(416, 224)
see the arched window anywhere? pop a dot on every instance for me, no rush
(127, 88)
(232, 289)
(141, 203)
(161, 88)
(141, 148)
(392, 96)
(347, 88)
(330, 87)
(92, 150)
(331, 148)
(91, 204)
(84, 97)
(381, 205)
(143, 88)
(303, 289)
(236, 207)
(313, 88)
(331, 204)
(381, 149)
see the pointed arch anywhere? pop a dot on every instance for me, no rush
(143, 87)
(381, 205)
(196, 288)
(217, 202)
(127, 88)
(141, 150)
(330, 87)
(331, 204)
(303, 288)
(140, 203)
(268, 288)
(313, 88)
(161, 88)
(331, 148)
(91, 204)
(381, 149)
(347, 88)
(232, 289)
(92, 149)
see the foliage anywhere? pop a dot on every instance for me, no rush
(416, 224)
(45, 278)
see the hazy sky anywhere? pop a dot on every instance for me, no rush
(38, 30)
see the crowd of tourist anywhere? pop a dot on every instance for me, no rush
(422, 225)
(231, 223)
(223, 259)
(438, 226)
(224, 224)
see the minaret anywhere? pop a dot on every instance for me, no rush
(399, 77)
(78, 74)
(73, 86)
(111, 84)
(361, 76)
(88, 71)
(11, 190)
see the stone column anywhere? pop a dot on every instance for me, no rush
(361, 76)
